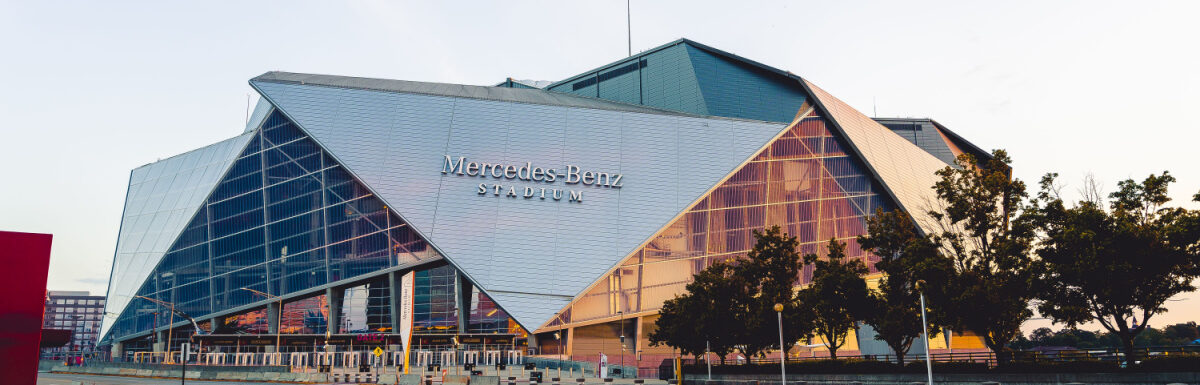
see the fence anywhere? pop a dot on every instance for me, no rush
(348, 359)
(988, 357)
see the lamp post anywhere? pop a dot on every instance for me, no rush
(558, 339)
(278, 315)
(170, 328)
(920, 285)
(170, 323)
(621, 316)
(782, 353)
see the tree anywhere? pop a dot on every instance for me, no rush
(837, 296)
(771, 268)
(895, 308)
(716, 298)
(1118, 266)
(731, 304)
(988, 284)
(1041, 336)
(1183, 333)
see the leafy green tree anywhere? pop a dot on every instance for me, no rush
(989, 283)
(837, 297)
(732, 304)
(772, 267)
(1118, 266)
(1182, 333)
(716, 299)
(895, 309)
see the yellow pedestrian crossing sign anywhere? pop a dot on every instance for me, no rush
(378, 352)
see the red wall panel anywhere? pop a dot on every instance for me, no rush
(24, 261)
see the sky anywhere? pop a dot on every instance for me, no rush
(91, 90)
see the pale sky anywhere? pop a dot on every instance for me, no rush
(91, 90)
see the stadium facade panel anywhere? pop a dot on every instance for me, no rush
(559, 218)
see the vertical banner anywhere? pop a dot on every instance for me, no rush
(407, 283)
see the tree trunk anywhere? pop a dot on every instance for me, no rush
(832, 352)
(999, 350)
(899, 355)
(1127, 348)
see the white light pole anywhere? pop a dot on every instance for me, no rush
(559, 343)
(782, 353)
(707, 360)
(920, 284)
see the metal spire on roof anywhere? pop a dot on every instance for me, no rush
(628, 28)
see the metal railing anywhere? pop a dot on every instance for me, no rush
(988, 357)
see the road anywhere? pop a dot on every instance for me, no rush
(85, 379)
(65, 379)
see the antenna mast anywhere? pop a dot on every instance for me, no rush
(629, 27)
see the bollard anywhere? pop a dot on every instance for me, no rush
(607, 379)
(639, 381)
(579, 380)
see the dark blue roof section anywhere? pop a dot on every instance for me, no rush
(694, 78)
(932, 137)
(922, 133)
(690, 77)
(734, 88)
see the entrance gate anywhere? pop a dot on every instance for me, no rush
(350, 359)
(325, 358)
(491, 357)
(244, 359)
(298, 360)
(471, 357)
(515, 357)
(424, 358)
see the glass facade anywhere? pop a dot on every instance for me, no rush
(435, 309)
(251, 322)
(287, 218)
(305, 316)
(803, 182)
(365, 308)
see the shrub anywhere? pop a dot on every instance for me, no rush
(1079, 366)
(1186, 362)
(947, 367)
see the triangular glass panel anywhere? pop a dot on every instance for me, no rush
(803, 182)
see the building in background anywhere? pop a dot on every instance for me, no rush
(554, 216)
(78, 312)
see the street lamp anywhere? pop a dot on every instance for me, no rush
(920, 285)
(278, 315)
(559, 343)
(782, 353)
(621, 316)
(170, 329)
(170, 322)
